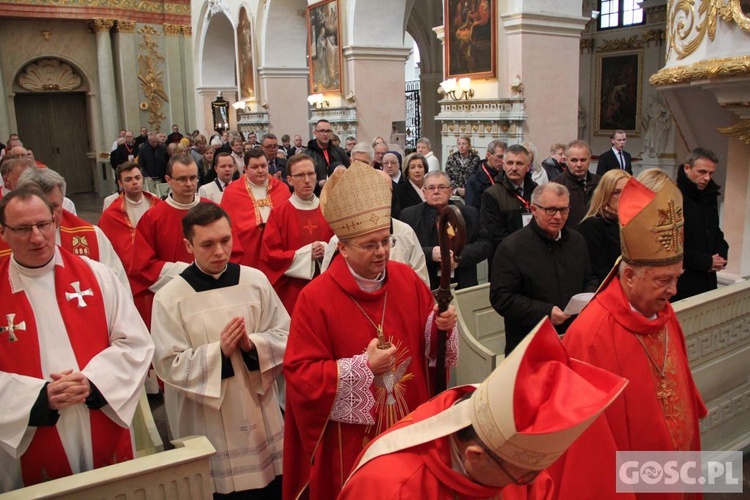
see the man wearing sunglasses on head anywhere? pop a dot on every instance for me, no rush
(537, 269)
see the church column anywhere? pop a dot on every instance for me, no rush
(4, 119)
(428, 86)
(174, 85)
(287, 114)
(735, 220)
(543, 50)
(375, 77)
(107, 88)
(186, 56)
(126, 74)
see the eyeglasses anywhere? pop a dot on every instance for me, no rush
(306, 175)
(387, 243)
(498, 156)
(551, 211)
(185, 179)
(436, 188)
(25, 231)
(325, 131)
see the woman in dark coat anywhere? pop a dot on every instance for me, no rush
(600, 227)
(410, 192)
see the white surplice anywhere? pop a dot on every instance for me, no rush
(240, 414)
(118, 371)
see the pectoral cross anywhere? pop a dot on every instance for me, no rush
(78, 294)
(12, 327)
(381, 338)
(664, 395)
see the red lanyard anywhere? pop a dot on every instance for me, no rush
(492, 181)
(520, 198)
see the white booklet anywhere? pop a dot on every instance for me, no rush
(578, 302)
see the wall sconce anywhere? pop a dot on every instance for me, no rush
(456, 89)
(220, 113)
(317, 101)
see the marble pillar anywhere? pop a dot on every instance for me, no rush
(735, 220)
(126, 75)
(191, 121)
(174, 84)
(375, 77)
(284, 92)
(4, 122)
(107, 87)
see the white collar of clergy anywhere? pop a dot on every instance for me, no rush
(139, 202)
(32, 272)
(301, 204)
(183, 206)
(651, 318)
(366, 284)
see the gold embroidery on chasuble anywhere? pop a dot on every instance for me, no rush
(258, 203)
(672, 391)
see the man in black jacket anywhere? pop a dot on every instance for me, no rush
(484, 176)
(705, 248)
(616, 157)
(537, 269)
(505, 206)
(325, 155)
(579, 181)
(423, 219)
(152, 157)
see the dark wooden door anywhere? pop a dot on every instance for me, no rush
(54, 126)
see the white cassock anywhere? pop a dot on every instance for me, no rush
(407, 250)
(239, 414)
(107, 256)
(213, 190)
(118, 371)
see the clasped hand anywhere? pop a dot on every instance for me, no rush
(67, 389)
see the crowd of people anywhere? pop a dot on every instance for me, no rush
(281, 293)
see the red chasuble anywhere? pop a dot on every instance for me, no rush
(158, 240)
(425, 471)
(76, 236)
(327, 326)
(86, 327)
(243, 210)
(287, 230)
(116, 225)
(648, 415)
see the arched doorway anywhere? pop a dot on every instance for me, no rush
(50, 103)
(218, 67)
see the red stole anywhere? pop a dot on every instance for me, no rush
(78, 236)
(87, 330)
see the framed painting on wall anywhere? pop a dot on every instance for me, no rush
(470, 38)
(323, 47)
(245, 55)
(618, 92)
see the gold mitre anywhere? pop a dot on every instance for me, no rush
(651, 224)
(356, 201)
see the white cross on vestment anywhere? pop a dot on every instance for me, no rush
(12, 327)
(78, 294)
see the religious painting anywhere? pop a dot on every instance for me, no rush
(618, 92)
(245, 56)
(470, 33)
(324, 47)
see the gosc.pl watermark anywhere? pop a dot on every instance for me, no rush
(679, 471)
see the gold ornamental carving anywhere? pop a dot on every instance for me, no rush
(688, 27)
(101, 25)
(740, 130)
(48, 75)
(706, 70)
(171, 29)
(125, 26)
(151, 77)
(187, 30)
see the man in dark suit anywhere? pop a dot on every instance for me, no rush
(423, 219)
(276, 166)
(617, 157)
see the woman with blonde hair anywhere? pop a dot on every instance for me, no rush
(654, 179)
(600, 227)
(410, 193)
(538, 174)
(378, 140)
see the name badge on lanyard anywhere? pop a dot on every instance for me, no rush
(526, 218)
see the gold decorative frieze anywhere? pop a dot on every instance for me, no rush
(151, 78)
(171, 29)
(688, 26)
(633, 43)
(125, 26)
(48, 75)
(187, 30)
(587, 44)
(704, 70)
(101, 25)
(741, 130)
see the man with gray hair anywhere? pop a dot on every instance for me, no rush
(485, 175)
(73, 233)
(362, 151)
(537, 269)
(425, 149)
(152, 157)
